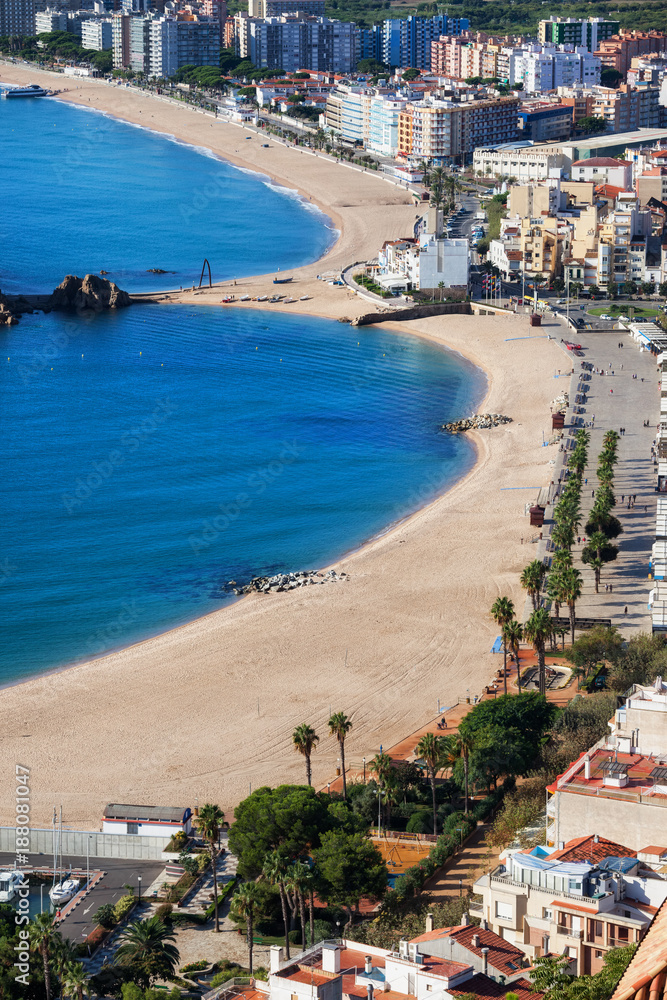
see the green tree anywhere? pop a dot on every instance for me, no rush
(210, 820)
(290, 817)
(512, 636)
(644, 657)
(75, 980)
(502, 612)
(431, 749)
(507, 733)
(571, 583)
(147, 951)
(104, 916)
(597, 553)
(349, 867)
(532, 579)
(594, 646)
(275, 872)
(244, 906)
(44, 939)
(537, 631)
(339, 726)
(305, 739)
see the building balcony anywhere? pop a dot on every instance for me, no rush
(569, 932)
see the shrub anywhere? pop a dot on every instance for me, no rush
(194, 967)
(105, 917)
(262, 974)
(177, 842)
(295, 936)
(227, 891)
(420, 822)
(323, 930)
(203, 861)
(96, 937)
(123, 907)
(164, 912)
(185, 919)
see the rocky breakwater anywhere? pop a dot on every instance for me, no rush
(7, 312)
(285, 581)
(91, 293)
(481, 421)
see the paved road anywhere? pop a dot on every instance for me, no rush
(631, 403)
(77, 925)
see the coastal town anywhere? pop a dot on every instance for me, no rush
(435, 767)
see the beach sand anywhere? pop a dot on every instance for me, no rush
(206, 711)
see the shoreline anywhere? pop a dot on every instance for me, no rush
(286, 651)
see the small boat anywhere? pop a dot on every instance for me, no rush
(262, 298)
(32, 90)
(282, 281)
(63, 891)
(244, 298)
(9, 885)
(290, 300)
(227, 300)
(304, 298)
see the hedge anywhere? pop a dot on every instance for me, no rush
(227, 891)
(123, 907)
(448, 842)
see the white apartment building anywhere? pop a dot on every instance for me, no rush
(384, 114)
(542, 68)
(621, 787)
(603, 170)
(50, 20)
(96, 34)
(526, 163)
(424, 262)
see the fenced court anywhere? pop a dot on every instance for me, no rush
(401, 851)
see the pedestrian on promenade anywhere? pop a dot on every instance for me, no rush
(592, 493)
(623, 498)
(626, 610)
(611, 588)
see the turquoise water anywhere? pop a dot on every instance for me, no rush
(154, 454)
(89, 193)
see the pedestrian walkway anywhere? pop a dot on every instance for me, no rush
(226, 867)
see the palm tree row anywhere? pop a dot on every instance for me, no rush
(305, 739)
(443, 186)
(58, 953)
(602, 526)
(511, 630)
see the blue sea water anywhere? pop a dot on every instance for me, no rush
(83, 192)
(153, 454)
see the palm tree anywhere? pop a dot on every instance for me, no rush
(466, 744)
(512, 635)
(305, 739)
(63, 955)
(297, 882)
(275, 872)
(44, 938)
(532, 579)
(339, 726)
(75, 980)
(210, 818)
(430, 748)
(148, 949)
(502, 612)
(571, 590)
(380, 766)
(537, 630)
(244, 907)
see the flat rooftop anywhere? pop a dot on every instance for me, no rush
(637, 766)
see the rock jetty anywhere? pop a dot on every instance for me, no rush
(478, 422)
(7, 314)
(89, 293)
(285, 581)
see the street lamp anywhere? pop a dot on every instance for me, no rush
(459, 829)
(460, 887)
(364, 759)
(139, 881)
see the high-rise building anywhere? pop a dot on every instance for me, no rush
(96, 34)
(296, 41)
(17, 17)
(50, 20)
(576, 31)
(159, 46)
(274, 8)
(406, 42)
(450, 131)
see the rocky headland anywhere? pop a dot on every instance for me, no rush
(73, 294)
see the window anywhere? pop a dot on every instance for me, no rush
(571, 952)
(504, 910)
(548, 913)
(133, 828)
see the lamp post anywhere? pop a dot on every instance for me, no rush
(459, 829)
(139, 881)
(460, 887)
(364, 760)
(88, 861)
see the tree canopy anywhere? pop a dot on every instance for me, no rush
(349, 867)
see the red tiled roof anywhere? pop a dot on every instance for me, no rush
(646, 976)
(601, 161)
(487, 989)
(590, 849)
(314, 976)
(572, 906)
(652, 849)
(502, 955)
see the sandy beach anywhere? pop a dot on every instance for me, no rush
(206, 711)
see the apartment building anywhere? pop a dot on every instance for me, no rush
(628, 108)
(541, 121)
(159, 46)
(407, 42)
(97, 34)
(522, 162)
(447, 131)
(652, 184)
(589, 32)
(424, 263)
(581, 899)
(603, 170)
(620, 787)
(274, 8)
(17, 17)
(618, 51)
(297, 41)
(541, 69)
(50, 20)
